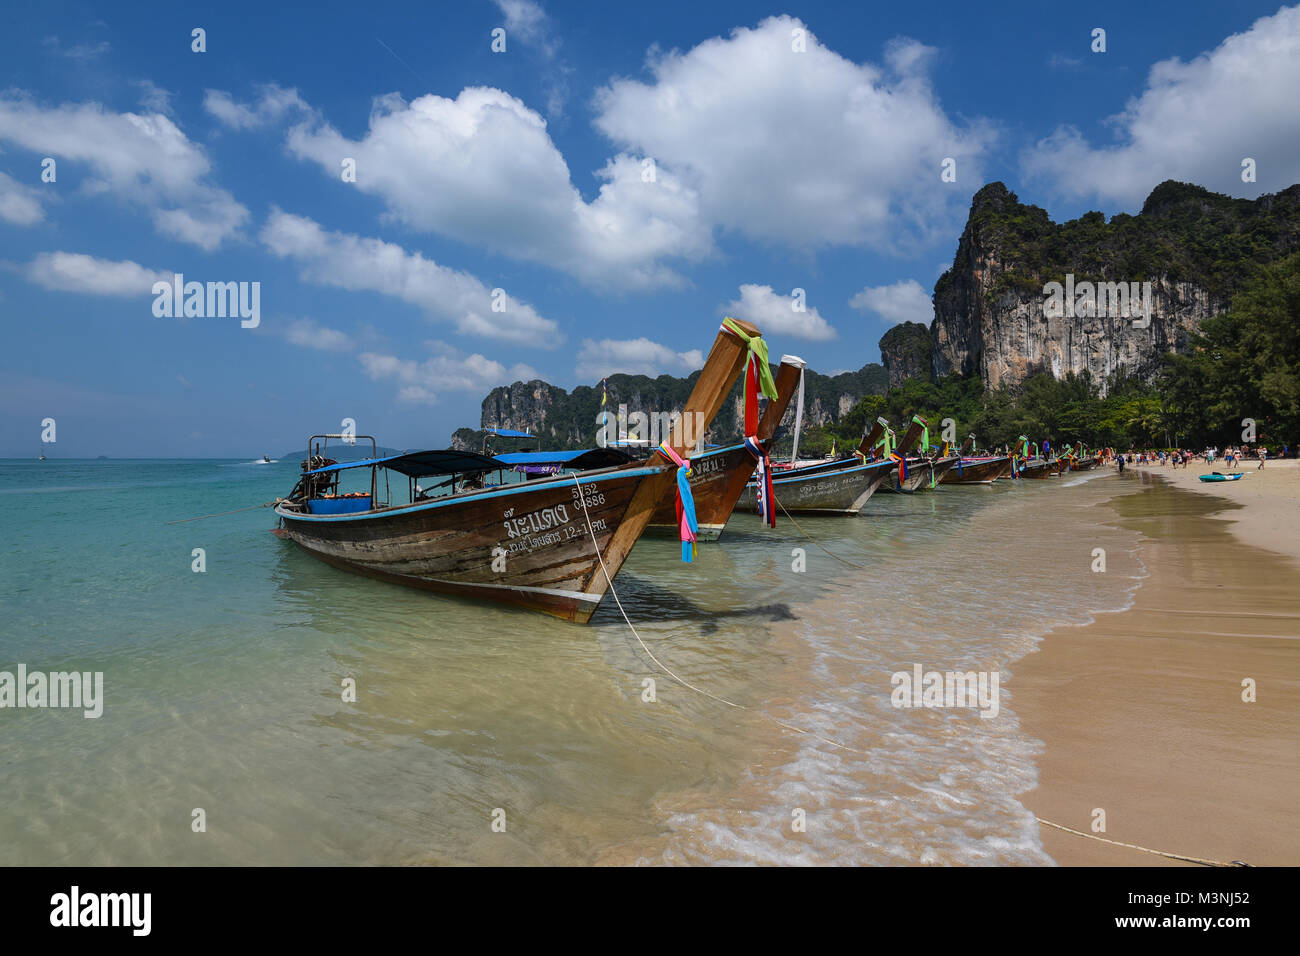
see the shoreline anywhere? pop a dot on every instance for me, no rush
(1141, 711)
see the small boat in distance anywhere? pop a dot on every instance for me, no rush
(552, 544)
(266, 460)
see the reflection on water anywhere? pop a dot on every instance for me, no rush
(224, 690)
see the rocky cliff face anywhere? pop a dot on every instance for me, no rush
(905, 351)
(564, 419)
(1195, 248)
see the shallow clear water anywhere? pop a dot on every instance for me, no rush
(223, 688)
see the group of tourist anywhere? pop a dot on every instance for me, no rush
(1180, 457)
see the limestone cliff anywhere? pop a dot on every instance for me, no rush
(905, 351)
(1195, 248)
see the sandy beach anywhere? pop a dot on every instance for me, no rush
(1142, 713)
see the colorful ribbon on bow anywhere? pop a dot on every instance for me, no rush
(764, 493)
(758, 374)
(902, 467)
(688, 527)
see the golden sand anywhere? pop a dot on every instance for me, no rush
(1142, 711)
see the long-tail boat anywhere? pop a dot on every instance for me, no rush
(977, 469)
(1029, 464)
(1080, 459)
(912, 471)
(718, 477)
(836, 487)
(552, 544)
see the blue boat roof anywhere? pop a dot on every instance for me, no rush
(418, 464)
(508, 433)
(580, 458)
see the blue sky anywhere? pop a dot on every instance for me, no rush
(792, 146)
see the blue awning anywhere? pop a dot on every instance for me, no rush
(508, 433)
(418, 464)
(582, 458)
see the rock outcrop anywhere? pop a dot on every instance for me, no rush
(905, 351)
(1194, 248)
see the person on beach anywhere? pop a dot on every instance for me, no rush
(1263, 457)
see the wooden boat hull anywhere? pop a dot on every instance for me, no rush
(939, 469)
(1038, 468)
(718, 479)
(821, 490)
(978, 471)
(918, 474)
(526, 545)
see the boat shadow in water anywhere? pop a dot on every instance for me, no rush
(321, 590)
(648, 603)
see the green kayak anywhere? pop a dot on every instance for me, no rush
(1219, 476)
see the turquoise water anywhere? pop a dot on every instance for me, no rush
(223, 688)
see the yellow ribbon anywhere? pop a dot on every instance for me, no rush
(758, 351)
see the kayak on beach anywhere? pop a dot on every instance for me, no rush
(1219, 476)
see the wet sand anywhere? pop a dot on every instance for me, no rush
(1142, 712)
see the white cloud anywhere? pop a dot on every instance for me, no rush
(313, 335)
(80, 51)
(528, 21)
(774, 314)
(154, 98)
(596, 359)
(273, 104)
(143, 159)
(1195, 122)
(904, 301)
(449, 371)
(803, 148)
(372, 265)
(482, 169)
(19, 204)
(75, 272)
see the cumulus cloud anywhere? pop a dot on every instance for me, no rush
(450, 370)
(19, 204)
(371, 265)
(1194, 121)
(272, 105)
(596, 359)
(775, 314)
(904, 301)
(482, 169)
(805, 148)
(313, 335)
(143, 159)
(75, 272)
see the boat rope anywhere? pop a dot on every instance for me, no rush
(1144, 849)
(809, 733)
(264, 504)
(667, 670)
(818, 543)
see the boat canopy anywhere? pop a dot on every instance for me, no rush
(418, 464)
(507, 433)
(583, 458)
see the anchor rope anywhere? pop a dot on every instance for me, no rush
(264, 504)
(667, 670)
(1144, 849)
